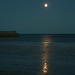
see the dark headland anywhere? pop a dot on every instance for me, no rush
(8, 34)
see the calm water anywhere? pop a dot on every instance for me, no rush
(37, 55)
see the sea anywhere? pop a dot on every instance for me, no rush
(38, 54)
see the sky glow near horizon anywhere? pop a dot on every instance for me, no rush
(31, 17)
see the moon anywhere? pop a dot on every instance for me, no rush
(45, 5)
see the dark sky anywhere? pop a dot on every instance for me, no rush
(31, 17)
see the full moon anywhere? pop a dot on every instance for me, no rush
(45, 5)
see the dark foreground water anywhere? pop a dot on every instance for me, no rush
(37, 55)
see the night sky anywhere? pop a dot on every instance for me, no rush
(31, 17)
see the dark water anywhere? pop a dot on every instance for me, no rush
(37, 55)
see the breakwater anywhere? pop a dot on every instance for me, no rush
(8, 34)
